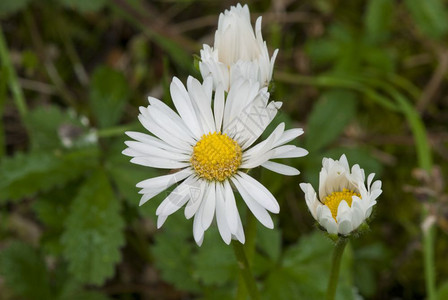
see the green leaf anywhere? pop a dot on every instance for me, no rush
(215, 263)
(430, 16)
(378, 19)
(173, 251)
(109, 92)
(9, 7)
(442, 292)
(305, 271)
(84, 5)
(94, 231)
(27, 174)
(25, 272)
(332, 112)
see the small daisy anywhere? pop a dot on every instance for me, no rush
(344, 202)
(238, 51)
(210, 143)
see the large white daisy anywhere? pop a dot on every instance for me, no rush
(210, 144)
(344, 202)
(238, 51)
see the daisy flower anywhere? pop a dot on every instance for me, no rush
(210, 143)
(344, 202)
(238, 51)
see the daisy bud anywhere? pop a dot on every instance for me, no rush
(344, 201)
(238, 51)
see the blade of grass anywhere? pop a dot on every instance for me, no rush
(11, 76)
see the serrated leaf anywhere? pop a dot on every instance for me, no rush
(378, 19)
(25, 272)
(215, 263)
(305, 270)
(27, 174)
(84, 5)
(332, 112)
(9, 7)
(109, 92)
(94, 231)
(430, 16)
(173, 253)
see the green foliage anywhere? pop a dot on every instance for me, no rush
(26, 174)
(109, 92)
(173, 253)
(21, 265)
(332, 112)
(442, 292)
(378, 19)
(214, 263)
(84, 6)
(51, 128)
(430, 16)
(9, 7)
(304, 273)
(94, 231)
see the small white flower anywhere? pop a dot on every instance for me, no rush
(210, 142)
(345, 201)
(238, 51)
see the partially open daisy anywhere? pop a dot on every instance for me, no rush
(344, 202)
(210, 144)
(238, 51)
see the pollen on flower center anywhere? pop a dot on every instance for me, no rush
(216, 156)
(333, 200)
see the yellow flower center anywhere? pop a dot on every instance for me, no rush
(216, 156)
(333, 200)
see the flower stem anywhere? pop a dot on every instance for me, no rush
(335, 267)
(246, 272)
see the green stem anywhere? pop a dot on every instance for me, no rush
(335, 267)
(251, 232)
(245, 270)
(116, 131)
(13, 83)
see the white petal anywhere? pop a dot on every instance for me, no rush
(142, 149)
(221, 219)
(280, 168)
(164, 181)
(160, 221)
(261, 194)
(157, 162)
(289, 151)
(259, 212)
(231, 209)
(255, 161)
(195, 200)
(153, 141)
(345, 227)
(325, 219)
(183, 104)
(209, 206)
(288, 136)
(198, 231)
(219, 107)
(178, 197)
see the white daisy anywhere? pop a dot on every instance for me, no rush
(210, 142)
(345, 201)
(238, 51)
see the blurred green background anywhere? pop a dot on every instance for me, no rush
(72, 75)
